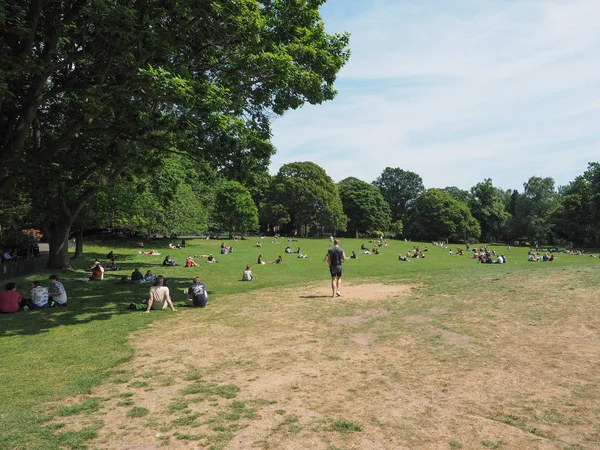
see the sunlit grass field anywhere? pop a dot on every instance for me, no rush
(50, 355)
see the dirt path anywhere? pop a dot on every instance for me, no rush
(297, 369)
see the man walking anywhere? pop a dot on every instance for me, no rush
(335, 256)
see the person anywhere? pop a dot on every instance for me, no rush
(169, 261)
(150, 253)
(58, 292)
(198, 294)
(10, 299)
(149, 277)
(331, 241)
(190, 261)
(211, 259)
(279, 260)
(137, 277)
(111, 255)
(112, 265)
(7, 256)
(97, 271)
(247, 275)
(260, 259)
(335, 258)
(288, 249)
(158, 297)
(353, 256)
(39, 297)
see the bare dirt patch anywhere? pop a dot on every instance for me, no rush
(284, 370)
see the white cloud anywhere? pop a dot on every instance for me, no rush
(457, 91)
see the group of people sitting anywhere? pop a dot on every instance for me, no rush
(138, 278)
(484, 256)
(159, 296)
(41, 297)
(279, 260)
(538, 257)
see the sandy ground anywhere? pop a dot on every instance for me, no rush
(297, 369)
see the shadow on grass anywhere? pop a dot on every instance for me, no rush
(88, 302)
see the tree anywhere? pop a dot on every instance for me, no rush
(458, 194)
(235, 209)
(534, 209)
(364, 205)
(308, 196)
(399, 188)
(88, 87)
(576, 220)
(436, 215)
(488, 207)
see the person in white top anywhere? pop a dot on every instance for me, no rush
(159, 297)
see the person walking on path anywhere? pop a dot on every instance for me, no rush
(335, 257)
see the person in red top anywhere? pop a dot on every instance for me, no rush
(10, 299)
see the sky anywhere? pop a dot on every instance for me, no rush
(456, 91)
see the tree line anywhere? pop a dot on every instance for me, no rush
(155, 117)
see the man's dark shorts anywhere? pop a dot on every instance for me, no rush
(336, 271)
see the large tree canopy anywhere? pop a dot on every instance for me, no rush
(304, 194)
(534, 209)
(235, 209)
(488, 206)
(88, 87)
(399, 188)
(364, 205)
(436, 215)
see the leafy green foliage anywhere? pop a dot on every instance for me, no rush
(235, 209)
(90, 90)
(307, 195)
(436, 215)
(364, 205)
(534, 208)
(488, 207)
(399, 188)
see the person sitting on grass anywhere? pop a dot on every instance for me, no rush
(190, 262)
(158, 297)
(260, 259)
(211, 259)
(137, 277)
(112, 265)
(197, 295)
(57, 292)
(247, 275)
(169, 261)
(97, 271)
(10, 299)
(279, 260)
(39, 297)
(288, 249)
(403, 258)
(149, 277)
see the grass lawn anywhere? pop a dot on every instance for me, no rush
(439, 352)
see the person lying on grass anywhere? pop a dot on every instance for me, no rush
(158, 297)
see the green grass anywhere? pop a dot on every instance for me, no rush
(66, 352)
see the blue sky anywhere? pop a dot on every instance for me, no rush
(456, 91)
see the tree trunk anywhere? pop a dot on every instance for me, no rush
(79, 244)
(58, 256)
